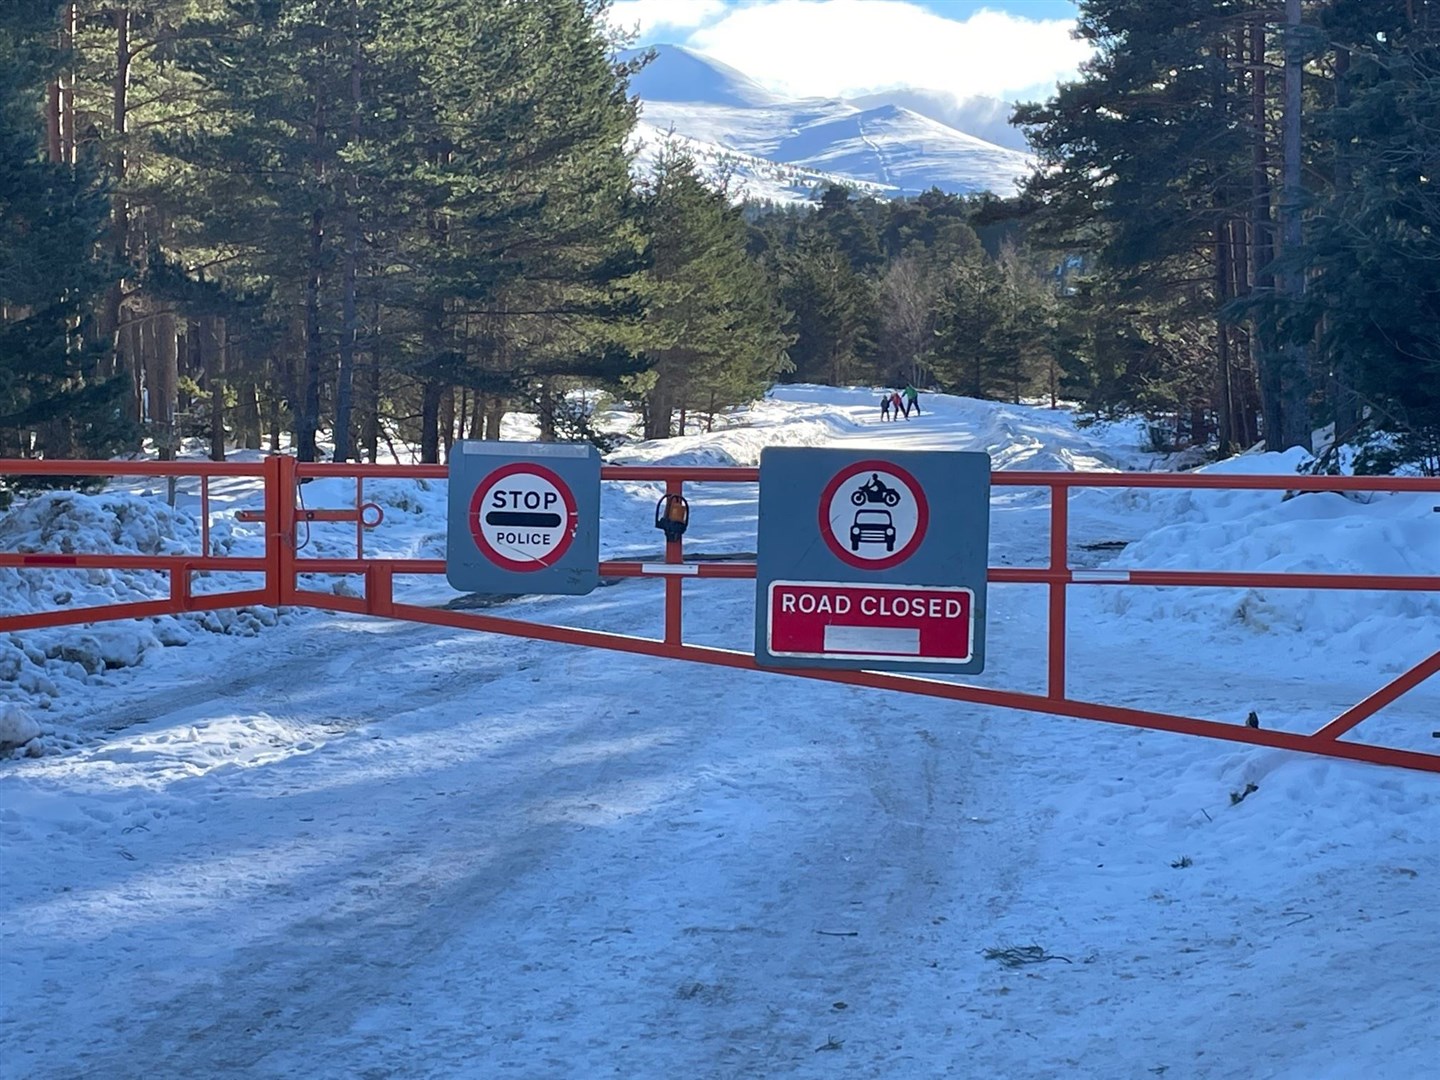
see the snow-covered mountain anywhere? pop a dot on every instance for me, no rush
(984, 117)
(885, 148)
(746, 176)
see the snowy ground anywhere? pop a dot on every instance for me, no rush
(325, 846)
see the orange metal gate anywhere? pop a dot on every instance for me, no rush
(282, 564)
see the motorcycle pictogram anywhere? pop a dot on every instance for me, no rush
(875, 491)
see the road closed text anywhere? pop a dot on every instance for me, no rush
(883, 605)
(917, 622)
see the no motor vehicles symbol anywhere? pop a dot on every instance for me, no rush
(523, 517)
(873, 515)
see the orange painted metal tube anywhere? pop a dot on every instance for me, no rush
(42, 560)
(204, 515)
(739, 474)
(1082, 710)
(1214, 480)
(306, 469)
(282, 525)
(674, 555)
(1392, 691)
(1009, 575)
(1060, 572)
(60, 467)
(143, 609)
(693, 474)
(257, 516)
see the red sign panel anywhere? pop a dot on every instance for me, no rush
(870, 622)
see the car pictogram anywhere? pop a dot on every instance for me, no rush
(872, 527)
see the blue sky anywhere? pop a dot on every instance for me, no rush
(1007, 49)
(1031, 9)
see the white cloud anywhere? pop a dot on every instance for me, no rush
(652, 15)
(844, 47)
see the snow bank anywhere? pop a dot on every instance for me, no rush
(1280, 532)
(16, 728)
(41, 666)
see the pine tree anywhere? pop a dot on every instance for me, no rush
(1157, 163)
(1373, 258)
(712, 335)
(528, 258)
(52, 222)
(832, 309)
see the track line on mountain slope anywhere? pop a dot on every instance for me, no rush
(879, 154)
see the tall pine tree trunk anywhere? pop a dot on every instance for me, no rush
(430, 397)
(659, 409)
(167, 378)
(214, 342)
(1262, 243)
(494, 415)
(1342, 376)
(370, 392)
(349, 333)
(348, 319)
(1224, 390)
(131, 352)
(545, 411)
(307, 409)
(60, 105)
(109, 322)
(446, 422)
(1294, 426)
(272, 421)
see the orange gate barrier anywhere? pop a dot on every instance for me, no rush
(282, 563)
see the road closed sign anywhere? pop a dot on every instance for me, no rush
(872, 559)
(817, 620)
(524, 518)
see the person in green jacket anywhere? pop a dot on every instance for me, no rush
(912, 400)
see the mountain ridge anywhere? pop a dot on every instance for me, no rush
(880, 144)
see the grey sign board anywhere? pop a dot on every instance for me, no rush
(523, 518)
(872, 559)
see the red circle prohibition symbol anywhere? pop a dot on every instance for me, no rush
(922, 515)
(567, 528)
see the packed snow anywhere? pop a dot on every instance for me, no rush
(303, 844)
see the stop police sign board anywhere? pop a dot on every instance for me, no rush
(523, 518)
(872, 560)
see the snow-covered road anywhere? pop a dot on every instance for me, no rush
(352, 848)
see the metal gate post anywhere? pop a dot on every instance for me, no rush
(673, 596)
(1060, 573)
(280, 530)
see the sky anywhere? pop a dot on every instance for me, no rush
(319, 845)
(1006, 49)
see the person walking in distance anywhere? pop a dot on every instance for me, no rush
(885, 406)
(896, 405)
(912, 400)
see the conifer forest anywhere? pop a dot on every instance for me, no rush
(352, 227)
